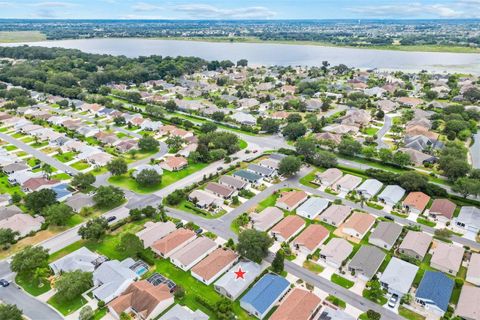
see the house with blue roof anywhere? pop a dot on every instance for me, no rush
(434, 292)
(264, 295)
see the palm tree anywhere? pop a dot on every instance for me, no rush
(47, 170)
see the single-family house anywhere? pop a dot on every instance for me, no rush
(310, 239)
(192, 253)
(335, 214)
(22, 223)
(398, 277)
(111, 278)
(10, 211)
(266, 219)
(5, 200)
(231, 286)
(220, 190)
(468, 306)
(204, 199)
(298, 304)
(442, 209)
(329, 177)
(214, 265)
(336, 251)
(369, 188)
(183, 313)
(82, 259)
(244, 118)
(173, 242)
(358, 225)
(248, 176)
(434, 292)
(286, 229)
(36, 184)
(80, 200)
(366, 262)
(385, 234)
(232, 182)
(262, 171)
(391, 195)
(347, 183)
(447, 257)
(290, 200)
(154, 231)
(311, 208)
(469, 219)
(62, 191)
(174, 163)
(330, 312)
(143, 299)
(264, 294)
(15, 167)
(473, 272)
(415, 244)
(416, 202)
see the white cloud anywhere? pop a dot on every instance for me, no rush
(212, 12)
(408, 10)
(145, 7)
(54, 4)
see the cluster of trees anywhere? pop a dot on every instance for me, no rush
(307, 147)
(215, 145)
(108, 196)
(457, 122)
(16, 97)
(68, 72)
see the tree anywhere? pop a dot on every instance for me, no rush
(148, 143)
(171, 106)
(208, 127)
(270, 126)
(349, 147)
(289, 166)
(119, 121)
(324, 159)
(218, 116)
(278, 262)
(94, 229)
(175, 197)
(294, 117)
(293, 131)
(373, 315)
(83, 180)
(253, 244)
(86, 313)
(412, 181)
(47, 170)
(58, 214)
(7, 236)
(108, 196)
(10, 312)
(242, 63)
(224, 310)
(375, 291)
(131, 245)
(29, 259)
(38, 200)
(401, 159)
(306, 147)
(386, 155)
(454, 168)
(467, 186)
(148, 177)
(72, 284)
(117, 166)
(174, 143)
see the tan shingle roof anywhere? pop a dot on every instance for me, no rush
(299, 304)
(214, 263)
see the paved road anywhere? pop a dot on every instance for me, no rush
(386, 127)
(37, 154)
(475, 151)
(31, 307)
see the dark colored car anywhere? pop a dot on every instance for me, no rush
(198, 231)
(4, 283)
(111, 218)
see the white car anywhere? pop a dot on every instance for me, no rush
(393, 301)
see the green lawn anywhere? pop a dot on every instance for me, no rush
(62, 176)
(27, 139)
(307, 179)
(381, 301)
(371, 131)
(410, 315)
(312, 266)
(10, 147)
(125, 181)
(65, 157)
(38, 145)
(80, 165)
(34, 287)
(100, 313)
(66, 307)
(242, 144)
(426, 222)
(341, 281)
(6, 187)
(336, 301)
(18, 135)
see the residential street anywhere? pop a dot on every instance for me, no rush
(386, 127)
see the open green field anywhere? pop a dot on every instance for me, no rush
(33, 286)
(341, 281)
(21, 36)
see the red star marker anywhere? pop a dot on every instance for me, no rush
(239, 274)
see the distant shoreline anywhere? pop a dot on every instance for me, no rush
(414, 48)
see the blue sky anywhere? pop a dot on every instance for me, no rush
(240, 9)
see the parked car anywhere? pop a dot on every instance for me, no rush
(393, 301)
(111, 218)
(179, 225)
(198, 231)
(4, 283)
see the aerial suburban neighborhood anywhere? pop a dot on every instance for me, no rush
(183, 188)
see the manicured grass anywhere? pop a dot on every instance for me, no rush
(80, 165)
(100, 313)
(426, 222)
(6, 187)
(410, 315)
(39, 144)
(341, 281)
(187, 207)
(336, 301)
(125, 181)
(65, 157)
(20, 153)
(27, 139)
(307, 179)
(34, 287)
(10, 147)
(18, 135)
(62, 176)
(242, 144)
(312, 266)
(381, 301)
(66, 307)
(371, 131)
(98, 171)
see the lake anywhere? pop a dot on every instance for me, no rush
(278, 54)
